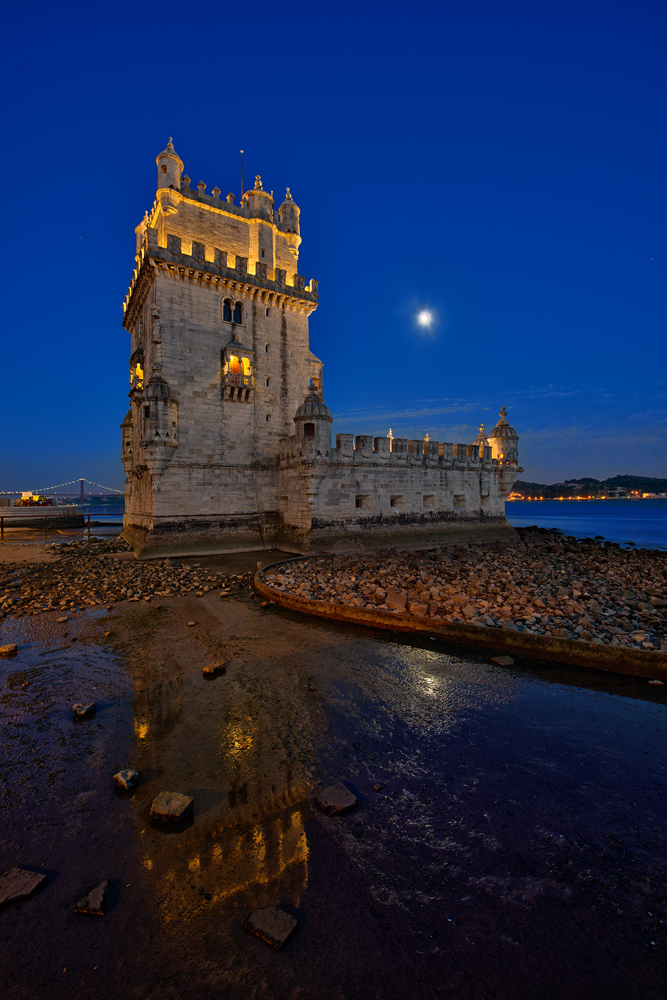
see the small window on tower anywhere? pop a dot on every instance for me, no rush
(268, 418)
(309, 430)
(147, 411)
(227, 311)
(164, 168)
(238, 313)
(266, 348)
(263, 252)
(268, 382)
(267, 310)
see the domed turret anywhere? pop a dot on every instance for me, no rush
(159, 424)
(127, 447)
(481, 441)
(289, 214)
(504, 441)
(169, 168)
(312, 422)
(258, 200)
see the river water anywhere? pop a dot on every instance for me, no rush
(643, 522)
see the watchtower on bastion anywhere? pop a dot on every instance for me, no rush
(227, 442)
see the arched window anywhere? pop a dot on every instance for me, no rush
(246, 366)
(238, 313)
(268, 418)
(234, 365)
(227, 311)
(309, 430)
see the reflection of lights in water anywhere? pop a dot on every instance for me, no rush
(255, 856)
(141, 728)
(239, 737)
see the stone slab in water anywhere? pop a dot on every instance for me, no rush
(171, 806)
(503, 661)
(336, 799)
(271, 925)
(127, 779)
(95, 903)
(83, 711)
(17, 883)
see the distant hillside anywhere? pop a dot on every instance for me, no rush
(588, 487)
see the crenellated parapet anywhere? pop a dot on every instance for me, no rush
(382, 452)
(211, 267)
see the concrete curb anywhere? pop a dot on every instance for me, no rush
(616, 659)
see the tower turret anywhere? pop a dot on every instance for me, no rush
(504, 441)
(169, 168)
(159, 424)
(312, 423)
(289, 218)
(259, 200)
(481, 441)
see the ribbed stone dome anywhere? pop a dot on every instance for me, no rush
(503, 429)
(313, 406)
(157, 388)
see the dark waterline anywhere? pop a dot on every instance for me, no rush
(643, 522)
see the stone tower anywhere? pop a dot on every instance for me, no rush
(219, 362)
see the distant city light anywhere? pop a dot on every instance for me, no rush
(424, 318)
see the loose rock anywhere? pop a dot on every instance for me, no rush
(170, 807)
(336, 799)
(84, 711)
(213, 669)
(271, 925)
(95, 903)
(18, 883)
(503, 661)
(127, 780)
(7, 650)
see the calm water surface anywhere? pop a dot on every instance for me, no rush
(643, 522)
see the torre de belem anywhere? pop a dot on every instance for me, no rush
(227, 442)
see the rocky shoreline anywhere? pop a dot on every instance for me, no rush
(549, 584)
(87, 574)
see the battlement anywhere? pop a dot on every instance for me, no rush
(227, 205)
(210, 264)
(384, 452)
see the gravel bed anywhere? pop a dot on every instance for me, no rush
(548, 584)
(82, 578)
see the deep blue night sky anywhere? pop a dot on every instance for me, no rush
(502, 165)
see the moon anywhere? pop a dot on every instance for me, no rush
(424, 318)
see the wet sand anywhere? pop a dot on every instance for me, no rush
(516, 846)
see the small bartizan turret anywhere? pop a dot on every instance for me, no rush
(312, 428)
(481, 441)
(169, 168)
(159, 424)
(504, 441)
(289, 219)
(259, 200)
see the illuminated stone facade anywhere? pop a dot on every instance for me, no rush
(215, 458)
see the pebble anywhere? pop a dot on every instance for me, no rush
(18, 883)
(7, 650)
(83, 711)
(171, 806)
(272, 925)
(503, 661)
(656, 682)
(336, 799)
(95, 903)
(213, 669)
(191, 623)
(127, 780)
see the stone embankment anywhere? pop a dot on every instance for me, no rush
(549, 585)
(83, 577)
